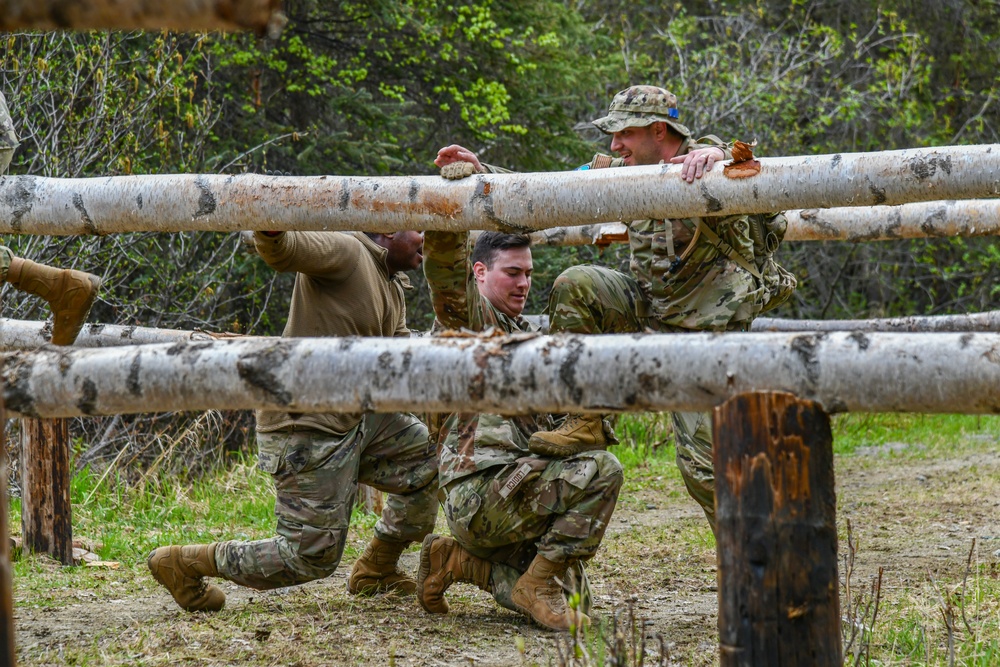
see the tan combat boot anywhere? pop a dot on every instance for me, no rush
(376, 571)
(443, 562)
(539, 594)
(579, 433)
(70, 294)
(182, 571)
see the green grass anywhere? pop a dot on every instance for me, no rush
(123, 523)
(924, 434)
(126, 521)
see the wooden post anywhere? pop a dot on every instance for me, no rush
(46, 517)
(779, 604)
(7, 655)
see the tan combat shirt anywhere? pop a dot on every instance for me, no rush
(342, 288)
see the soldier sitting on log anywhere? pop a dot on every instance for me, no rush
(687, 275)
(347, 284)
(69, 293)
(521, 524)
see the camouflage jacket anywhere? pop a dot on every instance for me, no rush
(705, 290)
(469, 442)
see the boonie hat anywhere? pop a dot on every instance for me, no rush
(639, 106)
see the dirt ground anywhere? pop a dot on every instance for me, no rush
(914, 516)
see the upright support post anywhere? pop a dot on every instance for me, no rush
(779, 604)
(46, 515)
(7, 655)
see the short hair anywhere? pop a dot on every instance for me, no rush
(490, 243)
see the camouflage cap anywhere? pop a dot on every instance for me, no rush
(639, 106)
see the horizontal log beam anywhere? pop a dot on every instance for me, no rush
(986, 321)
(178, 15)
(32, 334)
(951, 373)
(172, 203)
(934, 219)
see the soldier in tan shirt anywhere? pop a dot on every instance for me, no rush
(346, 284)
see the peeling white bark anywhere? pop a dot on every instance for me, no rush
(886, 372)
(987, 321)
(179, 15)
(170, 203)
(933, 219)
(31, 335)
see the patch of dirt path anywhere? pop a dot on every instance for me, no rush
(910, 515)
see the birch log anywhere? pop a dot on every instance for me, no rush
(171, 203)
(934, 219)
(180, 15)
(30, 335)
(885, 372)
(987, 321)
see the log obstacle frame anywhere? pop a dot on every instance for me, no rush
(747, 456)
(773, 450)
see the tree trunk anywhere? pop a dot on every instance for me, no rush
(988, 321)
(777, 533)
(46, 515)
(221, 203)
(179, 15)
(7, 654)
(521, 374)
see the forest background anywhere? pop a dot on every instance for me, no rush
(376, 87)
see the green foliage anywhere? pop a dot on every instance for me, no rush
(376, 88)
(106, 103)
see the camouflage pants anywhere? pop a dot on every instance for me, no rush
(596, 300)
(560, 510)
(316, 476)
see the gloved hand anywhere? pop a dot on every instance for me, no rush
(457, 170)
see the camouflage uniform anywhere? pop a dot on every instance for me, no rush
(562, 506)
(674, 287)
(318, 460)
(316, 478)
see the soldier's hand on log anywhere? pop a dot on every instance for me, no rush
(697, 162)
(456, 153)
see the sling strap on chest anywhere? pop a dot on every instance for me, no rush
(728, 250)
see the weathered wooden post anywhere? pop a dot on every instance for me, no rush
(779, 604)
(7, 656)
(46, 514)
